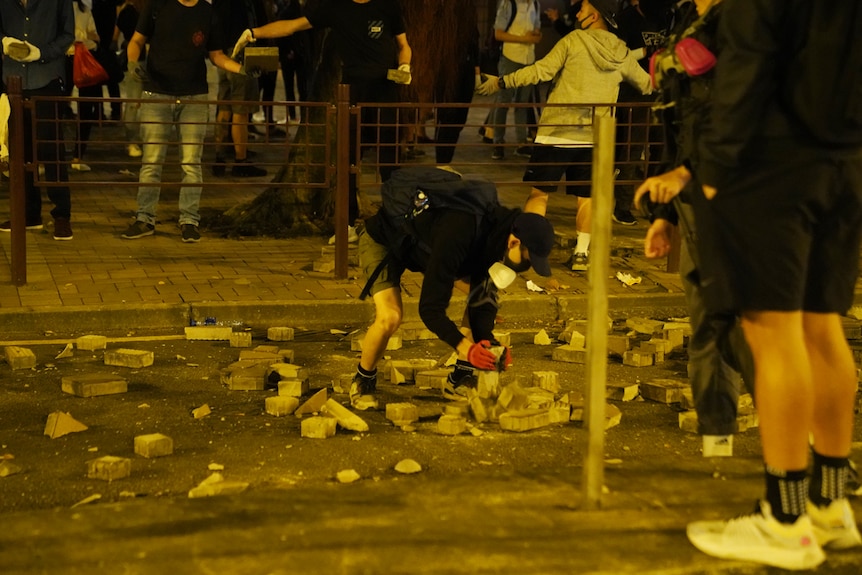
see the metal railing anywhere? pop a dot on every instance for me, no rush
(313, 154)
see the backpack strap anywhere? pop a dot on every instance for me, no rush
(366, 290)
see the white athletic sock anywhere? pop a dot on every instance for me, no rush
(583, 245)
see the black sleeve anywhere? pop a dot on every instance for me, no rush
(450, 248)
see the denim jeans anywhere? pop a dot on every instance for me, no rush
(509, 95)
(190, 115)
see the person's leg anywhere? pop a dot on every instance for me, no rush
(450, 121)
(503, 98)
(52, 152)
(87, 115)
(192, 119)
(223, 125)
(156, 118)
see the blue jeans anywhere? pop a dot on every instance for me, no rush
(517, 95)
(190, 114)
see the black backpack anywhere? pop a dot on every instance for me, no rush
(823, 81)
(412, 191)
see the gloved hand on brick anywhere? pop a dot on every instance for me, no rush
(481, 356)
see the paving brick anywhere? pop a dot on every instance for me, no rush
(618, 345)
(345, 418)
(292, 387)
(451, 425)
(263, 348)
(621, 391)
(525, 419)
(547, 380)
(477, 406)
(248, 379)
(20, 357)
(281, 405)
(503, 337)
(402, 413)
(488, 385)
(657, 351)
(134, 358)
(513, 397)
(279, 334)
(432, 378)
(93, 384)
(688, 421)
(663, 390)
(154, 445)
(240, 339)
(415, 331)
(201, 412)
(313, 404)
(459, 408)
(208, 333)
(569, 354)
(687, 399)
(560, 412)
(318, 427)
(280, 371)
(60, 424)
(91, 342)
(613, 416)
(644, 325)
(538, 398)
(638, 358)
(109, 468)
(407, 369)
(578, 340)
(255, 355)
(541, 338)
(676, 337)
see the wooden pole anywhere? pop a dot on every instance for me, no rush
(597, 329)
(16, 182)
(342, 179)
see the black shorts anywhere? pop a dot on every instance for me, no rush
(786, 236)
(549, 163)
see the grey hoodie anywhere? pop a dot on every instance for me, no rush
(587, 67)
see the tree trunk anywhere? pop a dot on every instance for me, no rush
(439, 32)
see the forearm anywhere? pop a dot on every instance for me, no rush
(221, 60)
(281, 28)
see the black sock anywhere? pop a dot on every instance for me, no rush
(786, 493)
(367, 374)
(462, 369)
(829, 479)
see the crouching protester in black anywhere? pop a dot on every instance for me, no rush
(461, 247)
(717, 351)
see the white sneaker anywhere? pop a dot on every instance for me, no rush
(834, 525)
(135, 151)
(718, 446)
(759, 538)
(258, 117)
(352, 236)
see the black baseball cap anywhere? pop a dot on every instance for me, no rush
(537, 235)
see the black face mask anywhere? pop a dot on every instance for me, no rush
(519, 268)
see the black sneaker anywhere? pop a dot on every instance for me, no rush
(242, 169)
(7, 226)
(524, 151)
(579, 262)
(362, 392)
(218, 167)
(498, 153)
(137, 230)
(457, 390)
(62, 229)
(190, 233)
(624, 217)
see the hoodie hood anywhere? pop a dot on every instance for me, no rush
(606, 50)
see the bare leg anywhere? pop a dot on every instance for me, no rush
(537, 202)
(387, 317)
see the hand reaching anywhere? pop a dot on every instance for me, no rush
(657, 241)
(481, 356)
(664, 187)
(489, 86)
(245, 38)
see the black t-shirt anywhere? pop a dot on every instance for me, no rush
(181, 38)
(127, 20)
(364, 35)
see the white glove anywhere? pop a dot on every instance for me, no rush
(478, 82)
(17, 49)
(246, 37)
(9, 40)
(406, 69)
(489, 86)
(35, 53)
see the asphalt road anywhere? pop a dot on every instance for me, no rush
(500, 502)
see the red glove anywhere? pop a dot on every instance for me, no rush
(480, 356)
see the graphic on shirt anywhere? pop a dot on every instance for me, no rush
(198, 38)
(375, 29)
(654, 39)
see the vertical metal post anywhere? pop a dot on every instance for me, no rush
(16, 181)
(597, 313)
(342, 178)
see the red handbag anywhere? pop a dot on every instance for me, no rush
(86, 70)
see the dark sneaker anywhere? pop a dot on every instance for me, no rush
(498, 153)
(362, 392)
(457, 390)
(190, 233)
(246, 170)
(137, 230)
(624, 217)
(7, 226)
(62, 229)
(218, 167)
(524, 151)
(579, 262)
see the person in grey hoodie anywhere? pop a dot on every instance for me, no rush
(587, 65)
